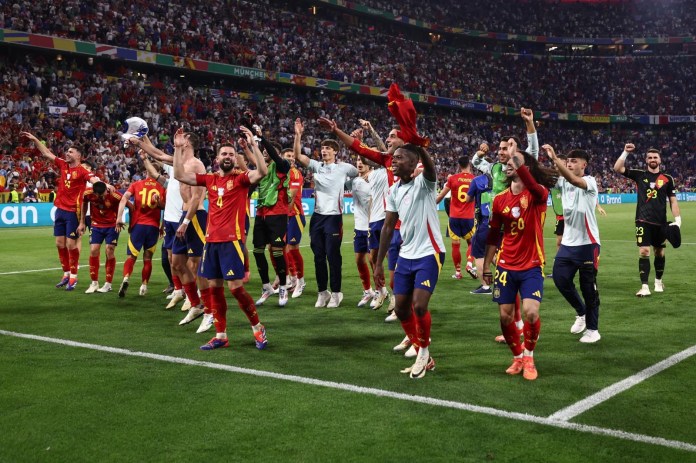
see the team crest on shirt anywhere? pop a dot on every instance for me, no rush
(660, 182)
(230, 184)
(67, 176)
(524, 202)
(221, 191)
(516, 212)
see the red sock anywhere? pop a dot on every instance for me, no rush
(518, 315)
(177, 282)
(364, 271)
(218, 308)
(410, 328)
(468, 253)
(512, 337)
(206, 297)
(290, 264)
(147, 271)
(423, 329)
(64, 257)
(298, 262)
(74, 260)
(531, 334)
(246, 303)
(273, 262)
(110, 269)
(457, 256)
(128, 267)
(191, 291)
(94, 268)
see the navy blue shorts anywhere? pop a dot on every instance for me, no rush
(142, 237)
(375, 233)
(296, 226)
(106, 235)
(222, 261)
(421, 273)
(361, 241)
(507, 283)
(65, 224)
(194, 240)
(394, 248)
(478, 242)
(169, 233)
(461, 229)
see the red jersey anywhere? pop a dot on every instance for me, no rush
(522, 217)
(296, 182)
(71, 185)
(459, 186)
(227, 205)
(147, 211)
(104, 208)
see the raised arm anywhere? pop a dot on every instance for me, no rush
(563, 170)
(373, 134)
(479, 162)
(532, 138)
(151, 169)
(538, 192)
(146, 145)
(300, 157)
(429, 169)
(45, 152)
(620, 164)
(261, 169)
(180, 173)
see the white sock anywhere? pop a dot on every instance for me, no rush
(528, 353)
(221, 335)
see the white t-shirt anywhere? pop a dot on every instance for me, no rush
(328, 185)
(579, 212)
(361, 203)
(420, 223)
(174, 205)
(379, 187)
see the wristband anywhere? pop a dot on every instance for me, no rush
(624, 155)
(186, 221)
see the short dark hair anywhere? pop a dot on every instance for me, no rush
(331, 144)
(653, 150)
(579, 154)
(194, 140)
(285, 150)
(463, 162)
(413, 149)
(226, 145)
(79, 148)
(507, 137)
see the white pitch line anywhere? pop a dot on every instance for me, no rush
(607, 393)
(372, 391)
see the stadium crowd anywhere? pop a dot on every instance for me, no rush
(265, 37)
(569, 18)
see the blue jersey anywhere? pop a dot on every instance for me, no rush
(480, 190)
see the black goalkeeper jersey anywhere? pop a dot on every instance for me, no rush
(653, 192)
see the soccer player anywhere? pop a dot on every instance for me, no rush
(412, 200)
(223, 256)
(480, 194)
(654, 189)
(104, 206)
(381, 181)
(148, 201)
(580, 246)
(71, 185)
(361, 211)
(296, 222)
(461, 216)
(326, 225)
(271, 223)
(520, 212)
(173, 209)
(499, 177)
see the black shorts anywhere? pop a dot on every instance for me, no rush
(560, 226)
(648, 234)
(270, 229)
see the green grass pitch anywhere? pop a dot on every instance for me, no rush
(61, 403)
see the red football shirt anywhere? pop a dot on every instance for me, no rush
(281, 207)
(104, 208)
(522, 220)
(71, 185)
(227, 205)
(296, 182)
(459, 186)
(147, 211)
